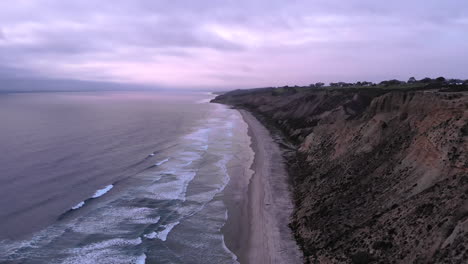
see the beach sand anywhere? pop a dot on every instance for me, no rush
(259, 203)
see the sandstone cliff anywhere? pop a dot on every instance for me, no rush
(379, 175)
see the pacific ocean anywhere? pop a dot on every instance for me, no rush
(115, 177)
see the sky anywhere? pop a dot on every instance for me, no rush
(229, 44)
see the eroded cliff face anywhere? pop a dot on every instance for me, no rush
(378, 175)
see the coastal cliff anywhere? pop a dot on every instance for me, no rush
(378, 175)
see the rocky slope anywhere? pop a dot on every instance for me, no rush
(379, 176)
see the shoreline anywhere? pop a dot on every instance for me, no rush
(260, 204)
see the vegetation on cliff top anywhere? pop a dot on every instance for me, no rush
(411, 84)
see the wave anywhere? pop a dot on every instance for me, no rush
(79, 205)
(162, 162)
(102, 191)
(97, 194)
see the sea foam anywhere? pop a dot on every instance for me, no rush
(141, 259)
(162, 235)
(79, 205)
(97, 194)
(102, 191)
(103, 252)
(162, 162)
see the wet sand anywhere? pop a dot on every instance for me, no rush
(259, 203)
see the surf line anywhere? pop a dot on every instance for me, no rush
(97, 194)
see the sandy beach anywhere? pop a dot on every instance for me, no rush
(259, 203)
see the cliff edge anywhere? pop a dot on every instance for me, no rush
(378, 175)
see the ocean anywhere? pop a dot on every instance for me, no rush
(115, 177)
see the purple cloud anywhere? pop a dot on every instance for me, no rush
(235, 43)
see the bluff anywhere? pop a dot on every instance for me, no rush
(378, 175)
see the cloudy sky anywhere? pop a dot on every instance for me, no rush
(232, 44)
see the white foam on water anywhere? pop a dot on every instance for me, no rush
(198, 138)
(193, 144)
(107, 251)
(218, 187)
(107, 220)
(143, 216)
(212, 137)
(102, 191)
(78, 205)
(233, 256)
(146, 221)
(188, 156)
(161, 162)
(151, 235)
(176, 176)
(174, 189)
(11, 248)
(97, 194)
(162, 235)
(141, 259)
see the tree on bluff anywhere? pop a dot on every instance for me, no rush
(319, 84)
(426, 80)
(391, 82)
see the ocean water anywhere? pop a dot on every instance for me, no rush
(115, 177)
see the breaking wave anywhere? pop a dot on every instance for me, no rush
(97, 194)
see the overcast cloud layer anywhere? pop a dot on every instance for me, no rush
(230, 44)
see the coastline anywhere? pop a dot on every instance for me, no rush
(259, 203)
